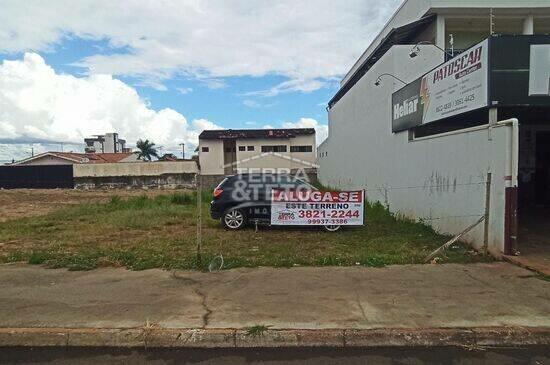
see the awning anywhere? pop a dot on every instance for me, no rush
(401, 35)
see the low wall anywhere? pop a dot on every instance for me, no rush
(136, 169)
(209, 182)
(164, 175)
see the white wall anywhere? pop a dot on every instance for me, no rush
(134, 169)
(212, 161)
(439, 180)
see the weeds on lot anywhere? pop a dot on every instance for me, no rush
(257, 331)
(159, 232)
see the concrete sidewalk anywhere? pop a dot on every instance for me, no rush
(475, 304)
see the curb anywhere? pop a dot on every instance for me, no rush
(274, 338)
(515, 261)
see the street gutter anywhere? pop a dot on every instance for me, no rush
(151, 337)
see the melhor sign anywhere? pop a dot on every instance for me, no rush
(457, 86)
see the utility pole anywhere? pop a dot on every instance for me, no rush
(182, 150)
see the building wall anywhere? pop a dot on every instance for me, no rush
(131, 158)
(169, 175)
(135, 169)
(440, 181)
(211, 162)
(287, 160)
(110, 142)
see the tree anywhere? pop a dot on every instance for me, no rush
(146, 149)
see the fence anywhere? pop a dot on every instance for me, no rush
(170, 175)
(36, 177)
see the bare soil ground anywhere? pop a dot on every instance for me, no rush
(19, 203)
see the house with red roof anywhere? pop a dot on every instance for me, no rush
(72, 158)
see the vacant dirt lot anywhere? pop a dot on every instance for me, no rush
(19, 203)
(82, 230)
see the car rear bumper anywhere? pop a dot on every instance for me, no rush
(215, 211)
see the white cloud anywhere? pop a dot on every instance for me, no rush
(213, 84)
(251, 103)
(321, 130)
(38, 104)
(306, 41)
(184, 90)
(305, 86)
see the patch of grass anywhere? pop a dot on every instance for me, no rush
(257, 331)
(181, 199)
(143, 233)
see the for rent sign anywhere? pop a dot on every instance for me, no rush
(457, 86)
(317, 208)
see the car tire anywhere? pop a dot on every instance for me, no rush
(332, 228)
(234, 219)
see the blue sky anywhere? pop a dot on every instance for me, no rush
(72, 69)
(226, 105)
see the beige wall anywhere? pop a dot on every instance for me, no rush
(135, 169)
(288, 160)
(212, 162)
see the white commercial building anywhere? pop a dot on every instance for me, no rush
(226, 152)
(445, 118)
(107, 143)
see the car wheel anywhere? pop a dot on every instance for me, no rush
(332, 228)
(234, 219)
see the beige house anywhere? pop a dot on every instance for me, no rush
(225, 152)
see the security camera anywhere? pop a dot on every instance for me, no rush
(414, 52)
(377, 83)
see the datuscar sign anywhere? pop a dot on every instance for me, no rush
(455, 87)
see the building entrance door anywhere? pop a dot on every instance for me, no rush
(534, 212)
(230, 157)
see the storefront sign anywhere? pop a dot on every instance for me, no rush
(317, 208)
(457, 86)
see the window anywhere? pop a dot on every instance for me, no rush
(205, 149)
(301, 148)
(279, 148)
(242, 148)
(250, 148)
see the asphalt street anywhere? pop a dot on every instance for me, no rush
(286, 356)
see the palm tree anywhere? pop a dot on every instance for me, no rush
(146, 149)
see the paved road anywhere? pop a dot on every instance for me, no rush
(419, 296)
(448, 356)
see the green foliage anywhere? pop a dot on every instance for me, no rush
(257, 331)
(146, 149)
(160, 232)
